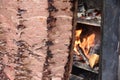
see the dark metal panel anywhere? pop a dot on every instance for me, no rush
(109, 50)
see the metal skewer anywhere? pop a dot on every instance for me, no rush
(82, 54)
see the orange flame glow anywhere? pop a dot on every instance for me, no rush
(85, 44)
(77, 40)
(87, 39)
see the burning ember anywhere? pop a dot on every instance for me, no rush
(87, 45)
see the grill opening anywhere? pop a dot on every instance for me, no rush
(87, 42)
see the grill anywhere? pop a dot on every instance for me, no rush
(98, 17)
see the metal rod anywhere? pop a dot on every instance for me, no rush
(82, 54)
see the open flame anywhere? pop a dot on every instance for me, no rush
(86, 42)
(77, 40)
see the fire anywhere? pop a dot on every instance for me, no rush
(77, 40)
(85, 44)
